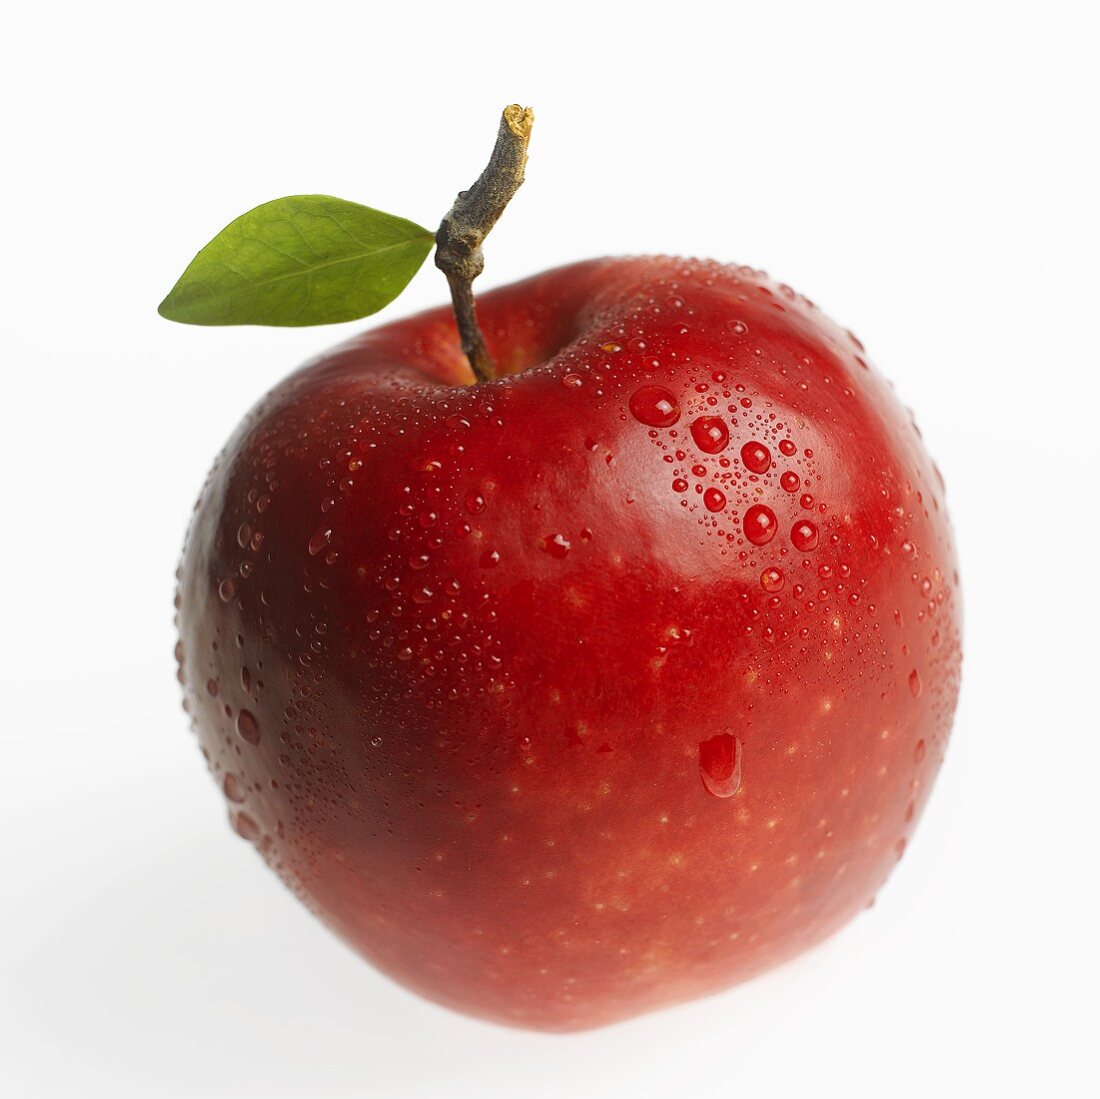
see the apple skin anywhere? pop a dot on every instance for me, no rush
(510, 707)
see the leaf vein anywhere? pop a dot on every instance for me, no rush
(308, 270)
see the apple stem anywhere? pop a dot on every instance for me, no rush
(461, 233)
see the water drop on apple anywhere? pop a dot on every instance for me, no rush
(710, 434)
(804, 535)
(759, 524)
(756, 457)
(248, 728)
(654, 406)
(720, 765)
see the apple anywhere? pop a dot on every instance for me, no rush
(599, 686)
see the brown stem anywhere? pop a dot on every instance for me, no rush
(461, 233)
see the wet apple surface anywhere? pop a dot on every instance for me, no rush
(597, 687)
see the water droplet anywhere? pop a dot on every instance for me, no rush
(234, 789)
(489, 559)
(248, 728)
(611, 348)
(720, 765)
(655, 406)
(710, 434)
(321, 538)
(915, 683)
(756, 457)
(557, 545)
(919, 751)
(771, 579)
(572, 381)
(738, 328)
(804, 535)
(759, 524)
(679, 485)
(244, 534)
(790, 481)
(787, 447)
(246, 827)
(226, 590)
(714, 499)
(475, 503)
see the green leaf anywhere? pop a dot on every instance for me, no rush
(300, 260)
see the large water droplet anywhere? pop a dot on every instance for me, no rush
(756, 457)
(654, 405)
(246, 827)
(557, 545)
(714, 499)
(759, 524)
(235, 790)
(248, 728)
(710, 434)
(771, 579)
(720, 765)
(790, 481)
(321, 538)
(804, 535)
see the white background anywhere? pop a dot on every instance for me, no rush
(925, 172)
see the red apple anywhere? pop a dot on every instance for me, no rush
(597, 687)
